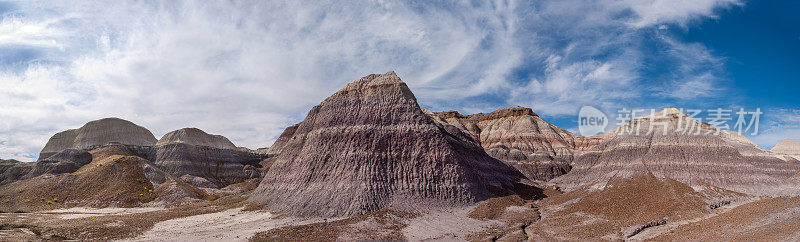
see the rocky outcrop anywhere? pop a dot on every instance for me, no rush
(519, 137)
(60, 141)
(788, 147)
(98, 133)
(13, 170)
(66, 161)
(671, 144)
(369, 146)
(214, 158)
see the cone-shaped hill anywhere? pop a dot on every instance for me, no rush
(369, 146)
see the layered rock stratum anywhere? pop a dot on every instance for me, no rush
(277, 147)
(788, 147)
(98, 133)
(197, 137)
(193, 152)
(673, 145)
(369, 146)
(519, 137)
(65, 161)
(13, 170)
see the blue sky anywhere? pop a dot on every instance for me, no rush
(248, 69)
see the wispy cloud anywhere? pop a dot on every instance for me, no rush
(777, 124)
(248, 69)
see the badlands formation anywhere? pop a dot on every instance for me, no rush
(521, 138)
(673, 145)
(97, 133)
(368, 163)
(203, 159)
(370, 146)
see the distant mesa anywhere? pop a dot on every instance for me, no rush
(197, 137)
(188, 151)
(672, 144)
(369, 146)
(788, 147)
(98, 133)
(277, 147)
(210, 158)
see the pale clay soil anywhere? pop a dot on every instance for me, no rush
(229, 225)
(445, 224)
(84, 212)
(237, 225)
(452, 224)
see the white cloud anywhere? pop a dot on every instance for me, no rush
(654, 12)
(247, 69)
